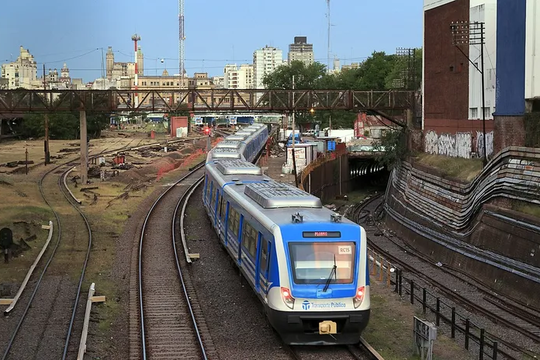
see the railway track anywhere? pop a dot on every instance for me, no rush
(49, 312)
(171, 324)
(473, 296)
(362, 351)
(48, 334)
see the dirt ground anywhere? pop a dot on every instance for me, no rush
(110, 204)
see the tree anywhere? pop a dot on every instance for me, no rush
(63, 125)
(393, 146)
(406, 73)
(370, 75)
(306, 77)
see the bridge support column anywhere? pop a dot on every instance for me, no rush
(84, 148)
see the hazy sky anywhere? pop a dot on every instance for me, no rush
(217, 32)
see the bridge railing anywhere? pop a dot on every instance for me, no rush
(173, 100)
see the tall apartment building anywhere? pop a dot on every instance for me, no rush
(22, 73)
(301, 51)
(238, 78)
(116, 70)
(265, 61)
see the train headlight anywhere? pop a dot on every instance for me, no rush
(287, 297)
(359, 297)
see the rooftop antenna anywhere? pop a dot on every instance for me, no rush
(182, 38)
(329, 25)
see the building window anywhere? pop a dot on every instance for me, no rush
(487, 112)
(474, 113)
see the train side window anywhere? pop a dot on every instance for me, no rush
(220, 206)
(234, 221)
(213, 199)
(264, 256)
(223, 208)
(249, 238)
(208, 187)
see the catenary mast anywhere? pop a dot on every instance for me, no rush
(182, 39)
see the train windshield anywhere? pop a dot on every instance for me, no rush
(313, 262)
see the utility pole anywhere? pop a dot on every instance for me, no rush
(84, 145)
(46, 141)
(409, 80)
(293, 138)
(466, 33)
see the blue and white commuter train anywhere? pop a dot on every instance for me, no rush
(307, 265)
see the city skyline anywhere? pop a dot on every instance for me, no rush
(79, 35)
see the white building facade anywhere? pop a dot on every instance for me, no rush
(532, 50)
(483, 11)
(238, 77)
(22, 73)
(265, 61)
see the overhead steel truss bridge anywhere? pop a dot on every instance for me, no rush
(200, 101)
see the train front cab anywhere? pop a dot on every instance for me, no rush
(307, 309)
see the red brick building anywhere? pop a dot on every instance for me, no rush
(447, 130)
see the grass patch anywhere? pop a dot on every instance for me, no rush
(458, 168)
(390, 328)
(526, 208)
(108, 220)
(23, 211)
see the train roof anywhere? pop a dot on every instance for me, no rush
(275, 195)
(231, 144)
(272, 202)
(247, 132)
(236, 137)
(224, 153)
(237, 167)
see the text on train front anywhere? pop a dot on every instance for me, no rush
(323, 265)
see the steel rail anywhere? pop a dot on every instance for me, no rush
(140, 253)
(185, 199)
(45, 268)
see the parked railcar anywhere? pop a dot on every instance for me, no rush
(307, 265)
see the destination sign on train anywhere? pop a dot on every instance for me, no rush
(321, 234)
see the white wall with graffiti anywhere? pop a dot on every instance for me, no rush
(464, 145)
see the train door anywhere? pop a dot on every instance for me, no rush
(206, 188)
(221, 215)
(263, 266)
(212, 201)
(215, 206)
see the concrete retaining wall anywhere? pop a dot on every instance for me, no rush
(460, 225)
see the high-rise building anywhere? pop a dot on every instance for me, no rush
(22, 73)
(301, 51)
(238, 78)
(265, 61)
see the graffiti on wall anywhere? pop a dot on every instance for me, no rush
(464, 145)
(480, 145)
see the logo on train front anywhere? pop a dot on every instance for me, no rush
(306, 305)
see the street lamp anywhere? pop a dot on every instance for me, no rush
(472, 33)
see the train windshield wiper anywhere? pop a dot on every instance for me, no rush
(333, 272)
